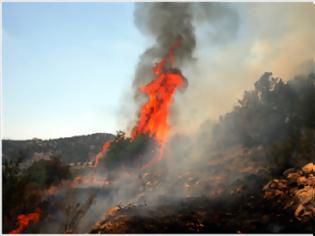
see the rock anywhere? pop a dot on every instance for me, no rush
(306, 207)
(292, 177)
(112, 211)
(311, 181)
(305, 195)
(287, 172)
(302, 180)
(296, 192)
(309, 168)
(283, 184)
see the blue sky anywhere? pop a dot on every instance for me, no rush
(66, 67)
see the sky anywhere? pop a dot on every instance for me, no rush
(66, 67)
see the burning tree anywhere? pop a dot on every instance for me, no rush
(125, 152)
(152, 127)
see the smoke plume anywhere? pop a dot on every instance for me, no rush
(164, 23)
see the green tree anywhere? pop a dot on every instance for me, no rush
(130, 153)
(44, 173)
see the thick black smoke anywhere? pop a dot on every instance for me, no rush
(165, 22)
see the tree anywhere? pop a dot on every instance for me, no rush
(125, 152)
(44, 173)
(276, 115)
(22, 188)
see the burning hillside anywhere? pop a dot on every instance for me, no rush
(153, 117)
(245, 204)
(154, 114)
(25, 220)
(251, 171)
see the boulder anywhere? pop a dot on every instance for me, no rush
(309, 168)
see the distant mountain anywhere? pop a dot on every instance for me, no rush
(70, 149)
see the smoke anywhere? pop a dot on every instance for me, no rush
(163, 23)
(197, 24)
(232, 56)
(305, 68)
(228, 46)
(225, 49)
(219, 22)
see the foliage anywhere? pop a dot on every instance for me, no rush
(44, 173)
(129, 153)
(22, 188)
(275, 115)
(273, 111)
(73, 149)
(17, 196)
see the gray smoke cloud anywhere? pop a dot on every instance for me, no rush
(216, 81)
(163, 23)
(191, 156)
(220, 21)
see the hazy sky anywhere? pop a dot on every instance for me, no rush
(65, 67)
(68, 67)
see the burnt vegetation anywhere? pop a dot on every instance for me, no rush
(270, 133)
(235, 187)
(23, 187)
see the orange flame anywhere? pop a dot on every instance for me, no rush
(153, 119)
(102, 152)
(24, 221)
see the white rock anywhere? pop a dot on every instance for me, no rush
(308, 168)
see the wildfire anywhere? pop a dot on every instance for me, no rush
(24, 221)
(102, 152)
(153, 117)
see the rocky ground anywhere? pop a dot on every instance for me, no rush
(229, 195)
(295, 192)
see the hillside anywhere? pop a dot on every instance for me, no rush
(251, 172)
(70, 149)
(231, 191)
